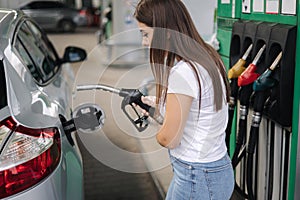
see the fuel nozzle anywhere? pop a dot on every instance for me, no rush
(239, 66)
(266, 81)
(250, 75)
(130, 97)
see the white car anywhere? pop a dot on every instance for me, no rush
(39, 159)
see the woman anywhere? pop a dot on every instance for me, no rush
(193, 88)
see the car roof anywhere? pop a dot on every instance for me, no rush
(9, 18)
(8, 21)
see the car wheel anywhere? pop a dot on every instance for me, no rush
(67, 26)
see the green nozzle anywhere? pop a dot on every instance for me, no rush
(265, 81)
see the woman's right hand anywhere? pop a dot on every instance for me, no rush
(150, 101)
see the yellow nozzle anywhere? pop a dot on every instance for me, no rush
(237, 69)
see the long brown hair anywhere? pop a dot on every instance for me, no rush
(176, 37)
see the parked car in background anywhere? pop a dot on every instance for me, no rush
(39, 159)
(54, 15)
(93, 15)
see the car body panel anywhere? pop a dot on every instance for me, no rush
(40, 106)
(49, 14)
(25, 97)
(65, 183)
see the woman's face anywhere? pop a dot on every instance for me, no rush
(147, 34)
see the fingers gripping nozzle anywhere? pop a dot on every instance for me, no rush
(131, 97)
(134, 96)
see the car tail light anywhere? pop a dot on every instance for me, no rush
(28, 156)
(83, 12)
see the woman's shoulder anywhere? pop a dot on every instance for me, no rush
(182, 66)
(185, 67)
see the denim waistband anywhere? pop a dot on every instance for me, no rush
(195, 165)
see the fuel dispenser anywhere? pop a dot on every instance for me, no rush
(265, 89)
(266, 158)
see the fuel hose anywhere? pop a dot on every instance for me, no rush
(233, 73)
(262, 88)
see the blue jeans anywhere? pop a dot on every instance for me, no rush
(201, 181)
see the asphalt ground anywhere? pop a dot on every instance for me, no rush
(105, 183)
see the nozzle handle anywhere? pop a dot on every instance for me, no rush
(135, 96)
(265, 81)
(276, 61)
(259, 54)
(246, 54)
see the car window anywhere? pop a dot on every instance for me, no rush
(44, 41)
(36, 53)
(27, 61)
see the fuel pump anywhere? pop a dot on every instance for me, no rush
(233, 74)
(261, 88)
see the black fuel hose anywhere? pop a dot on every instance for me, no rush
(244, 96)
(232, 104)
(258, 106)
(245, 93)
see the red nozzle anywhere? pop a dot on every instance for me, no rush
(248, 76)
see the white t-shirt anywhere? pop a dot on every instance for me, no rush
(203, 137)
